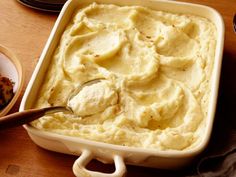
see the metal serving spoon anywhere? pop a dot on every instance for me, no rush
(20, 118)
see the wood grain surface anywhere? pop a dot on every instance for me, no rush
(25, 32)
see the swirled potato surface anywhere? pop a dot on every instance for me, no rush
(156, 69)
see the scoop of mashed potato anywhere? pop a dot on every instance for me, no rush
(157, 70)
(92, 99)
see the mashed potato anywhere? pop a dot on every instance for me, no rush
(156, 68)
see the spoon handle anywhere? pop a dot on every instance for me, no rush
(20, 118)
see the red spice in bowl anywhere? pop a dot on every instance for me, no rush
(6, 91)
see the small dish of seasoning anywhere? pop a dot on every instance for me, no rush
(11, 80)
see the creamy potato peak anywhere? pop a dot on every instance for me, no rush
(156, 68)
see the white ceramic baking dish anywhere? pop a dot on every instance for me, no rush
(109, 153)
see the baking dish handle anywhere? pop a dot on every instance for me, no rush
(79, 166)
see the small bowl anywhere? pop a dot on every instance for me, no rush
(11, 68)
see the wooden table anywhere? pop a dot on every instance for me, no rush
(25, 32)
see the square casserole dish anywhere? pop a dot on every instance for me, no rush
(109, 153)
